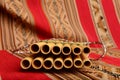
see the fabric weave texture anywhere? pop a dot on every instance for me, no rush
(25, 22)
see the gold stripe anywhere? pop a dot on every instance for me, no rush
(64, 19)
(78, 22)
(48, 17)
(30, 16)
(57, 15)
(101, 25)
(70, 18)
(109, 43)
(74, 20)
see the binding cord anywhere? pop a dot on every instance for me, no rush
(25, 50)
(103, 47)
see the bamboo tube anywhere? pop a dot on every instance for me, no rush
(79, 43)
(37, 63)
(86, 49)
(46, 49)
(58, 63)
(26, 62)
(35, 48)
(48, 63)
(66, 50)
(85, 60)
(57, 49)
(68, 62)
(78, 62)
(76, 50)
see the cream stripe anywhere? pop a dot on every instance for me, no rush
(73, 7)
(48, 17)
(78, 22)
(111, 41)
(57, 15)
(74, 21)
(71, 19)
(29, 13)
(90, 4)
(68, 25)
(101, 26)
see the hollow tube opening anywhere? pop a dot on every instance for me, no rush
(66, 49)
(68, 63)
(56, 49)
(35, 48)
(77, 50)
(58, 64)
(45, 48)
(78, 63)
(37, 63)
(48, 64)
(86, 50)
(25, 63)
(87, 63)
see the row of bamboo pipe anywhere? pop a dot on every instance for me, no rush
(58, 48)
(58, 63)
(57, 55)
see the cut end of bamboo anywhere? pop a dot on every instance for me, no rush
(57, 54)
(87, 63)
(26, 63)
(58, 63)
(56, 50)
(68, 63)
(78, 63)
(77, 50)
(66, 50)
(34, 48)
(86, 50)
(37, 63)
(45, 49)
(48, 63)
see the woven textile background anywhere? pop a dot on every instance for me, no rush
(27, 21)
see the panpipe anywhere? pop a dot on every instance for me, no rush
(57, 54)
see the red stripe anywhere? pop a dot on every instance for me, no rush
(107, 59)
(10, 69)
(86, 20)
(41, 23)
(112, 20)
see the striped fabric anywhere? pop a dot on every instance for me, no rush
(27, 21)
